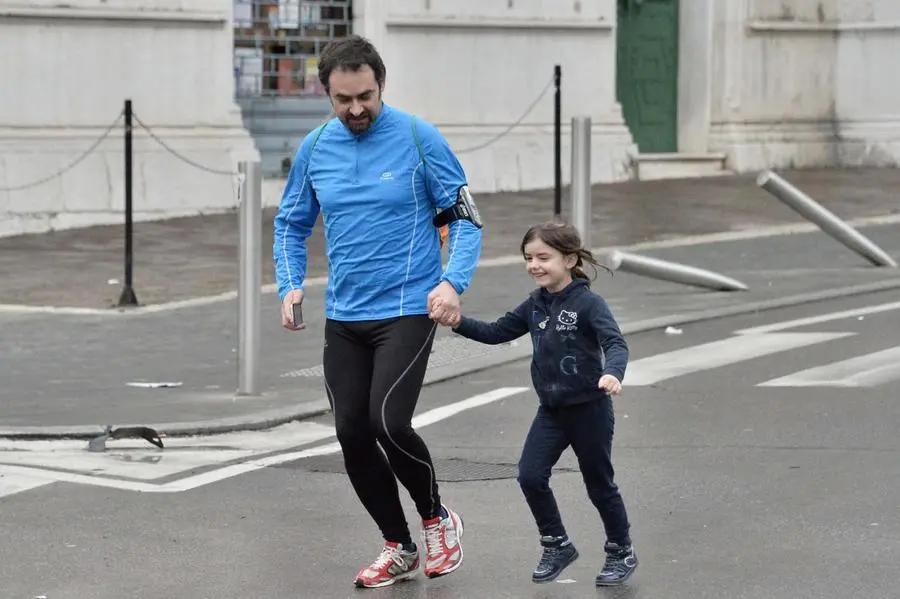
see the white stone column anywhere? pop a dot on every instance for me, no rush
(76, 64)
(695, 72)
(369, 20)
(867, 85)
(774, 107)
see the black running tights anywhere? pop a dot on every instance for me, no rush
(373, 375)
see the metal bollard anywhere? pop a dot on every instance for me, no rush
(250, 284)
(672, 272)
(823, 218)
(581, 177)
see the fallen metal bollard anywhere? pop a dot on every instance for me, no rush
(98, 444)
(672, 271)
(811, 210)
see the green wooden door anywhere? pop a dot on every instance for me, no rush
(647, 72)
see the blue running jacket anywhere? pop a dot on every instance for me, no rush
(377, 198)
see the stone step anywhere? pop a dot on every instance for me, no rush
(679, 166)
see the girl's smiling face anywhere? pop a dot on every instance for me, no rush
(550, 268)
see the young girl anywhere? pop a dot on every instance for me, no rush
(579, 360)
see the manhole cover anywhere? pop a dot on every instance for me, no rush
(448, 469)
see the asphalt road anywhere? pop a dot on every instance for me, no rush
(749, 470)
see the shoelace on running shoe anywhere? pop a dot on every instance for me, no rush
(387, 556)
(433, 540)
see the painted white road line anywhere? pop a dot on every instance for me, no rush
(476, 401)
(13, 483)
(688, 360)
(137, 459)
(800, 322)
(52, 476)
(205, 478)
(869, 370)
(422, 420)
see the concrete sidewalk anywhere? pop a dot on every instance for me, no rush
(69, 375)
(186, 258)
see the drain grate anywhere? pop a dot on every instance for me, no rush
(314, 371)
(447, 469)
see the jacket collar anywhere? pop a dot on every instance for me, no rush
(572, 288)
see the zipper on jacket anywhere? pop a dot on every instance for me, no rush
(356, 161)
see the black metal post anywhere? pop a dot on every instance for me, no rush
(557, 144)
(128, 297)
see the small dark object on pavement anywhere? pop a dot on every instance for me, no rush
(98, 444)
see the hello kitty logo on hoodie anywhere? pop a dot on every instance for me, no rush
(568, 321)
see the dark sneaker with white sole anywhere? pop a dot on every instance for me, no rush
(558, 553)
(621, 562)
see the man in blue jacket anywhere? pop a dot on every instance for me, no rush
(385, 182)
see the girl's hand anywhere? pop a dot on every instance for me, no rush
(610, 384)
(449, 320)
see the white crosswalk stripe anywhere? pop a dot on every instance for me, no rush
(14, 482)
(821, 318)
(868, 370)
(688, 360)
(863, 370)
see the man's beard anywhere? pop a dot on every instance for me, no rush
(359, 124)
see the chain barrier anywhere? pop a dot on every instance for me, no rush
(181, 157)
(509, 129)
(233, 173)
(106, 133)
(72, 165)
(237, 177)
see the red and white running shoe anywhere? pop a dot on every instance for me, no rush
(444, 552)
(393, 565)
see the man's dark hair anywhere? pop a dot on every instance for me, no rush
(350, 54)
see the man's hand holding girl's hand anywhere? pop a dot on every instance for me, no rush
(443, 304)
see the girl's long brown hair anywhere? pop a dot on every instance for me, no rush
(565, 239)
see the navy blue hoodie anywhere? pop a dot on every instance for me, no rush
(576, 340)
